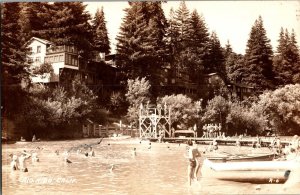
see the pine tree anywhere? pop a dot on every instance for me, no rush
(216, 56)
(286, 62)
(33, 19)
(294, 58)
(258, 58)
(69, 26)
(228, 49)
(140, 46)
(172, 43)
(172, 34)
(293, 47)
(13, 54)
(100, 37)
(13, 61)
(197, 48)
(181, 25)
(182, 18)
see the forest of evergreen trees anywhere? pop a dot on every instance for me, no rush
(147, 41)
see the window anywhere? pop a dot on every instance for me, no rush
(56, 58)
(38, 50)
(61, 58)
(38, 59)
(73, 60)
(69, 59)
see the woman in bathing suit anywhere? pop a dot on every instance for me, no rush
(192, 167)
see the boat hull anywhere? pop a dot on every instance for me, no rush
(251, 172)
(243, 158)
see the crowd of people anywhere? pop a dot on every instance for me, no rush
(212, 130)
(18, 161)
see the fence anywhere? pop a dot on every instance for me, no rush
(96, 130)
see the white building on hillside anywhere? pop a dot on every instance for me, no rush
(60, 57)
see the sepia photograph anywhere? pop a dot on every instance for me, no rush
(150, 97)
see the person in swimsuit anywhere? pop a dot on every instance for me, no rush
(14, 164)
(22, 161)
(134, 152)
(196, 155)
(192, 162)
(91, 152)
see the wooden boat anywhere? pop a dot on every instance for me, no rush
(251, 172)
(243, 157)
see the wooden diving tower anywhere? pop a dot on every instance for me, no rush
(155, 122)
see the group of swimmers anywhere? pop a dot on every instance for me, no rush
(212, 130)
(19, 162)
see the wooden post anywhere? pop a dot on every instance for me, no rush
(100, 131)
(140, 120)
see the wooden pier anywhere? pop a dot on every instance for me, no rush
(246, 141)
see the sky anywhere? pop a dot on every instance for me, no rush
(231, 20)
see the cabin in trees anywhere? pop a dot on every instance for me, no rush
(66, 63)
(176, 81)
(59, 57)
(236, 90)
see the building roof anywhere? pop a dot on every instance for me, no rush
(44, 41)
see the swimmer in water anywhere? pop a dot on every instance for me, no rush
(78, 151)
(91, 152)
(66, 155)
(134, 152)
(112, 168)
(22, 161)
(14, 164)
(34, 157)
(149, 146)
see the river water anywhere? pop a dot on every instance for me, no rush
(159, 170)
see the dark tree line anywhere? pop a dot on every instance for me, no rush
(146, 45)
(186, 44)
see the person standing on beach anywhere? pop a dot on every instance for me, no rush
(196, 155)
(204, 130)
(192, 166)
